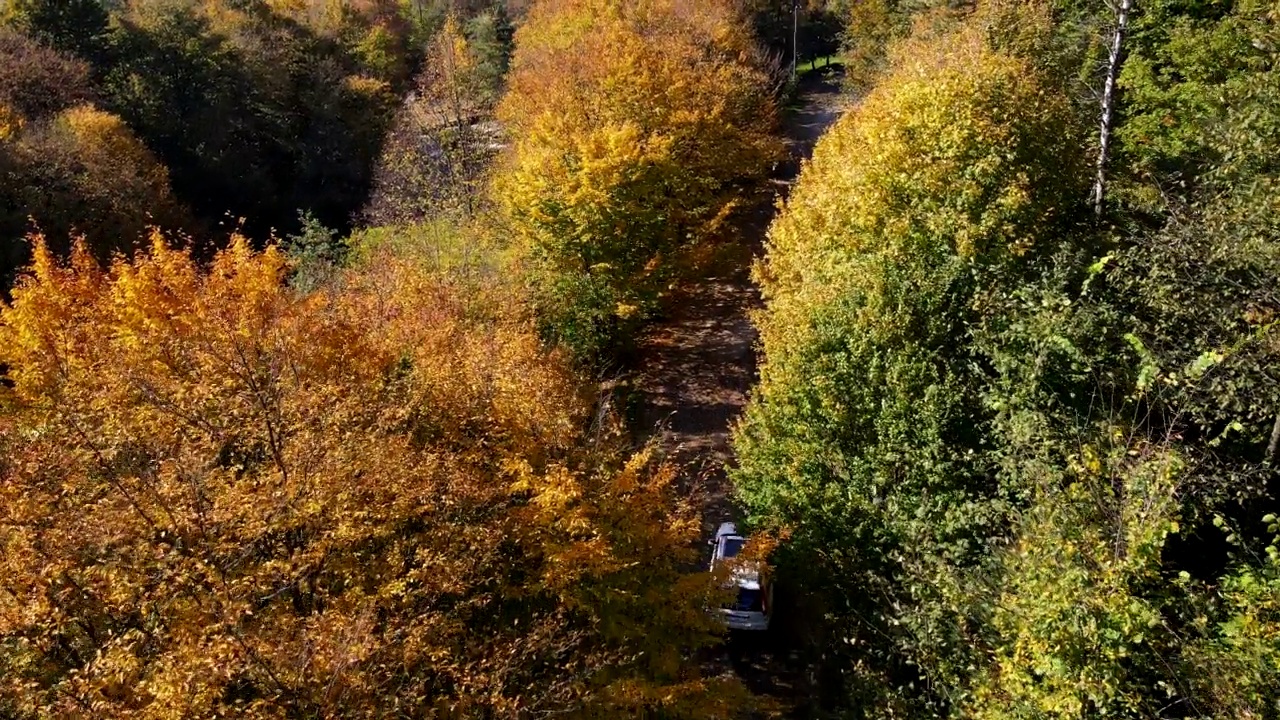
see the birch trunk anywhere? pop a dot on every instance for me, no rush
(1108, 103)
(1274, 446)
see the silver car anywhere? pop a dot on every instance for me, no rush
(751, 608)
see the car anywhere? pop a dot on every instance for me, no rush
(751, 607)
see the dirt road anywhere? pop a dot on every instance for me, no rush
(694, 370)
(692, 376)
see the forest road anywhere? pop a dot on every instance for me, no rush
(692, 373)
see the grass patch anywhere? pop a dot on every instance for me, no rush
(439, 246)
(818, 65)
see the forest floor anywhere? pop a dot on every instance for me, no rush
(693, 371)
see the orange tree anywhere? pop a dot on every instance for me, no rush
(635, 127)
(78, 171)
(221, 498)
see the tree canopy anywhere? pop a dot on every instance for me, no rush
(221, 497)
(634, 128)
(1024, 457)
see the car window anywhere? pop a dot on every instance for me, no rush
(749, 600)
(733, 546)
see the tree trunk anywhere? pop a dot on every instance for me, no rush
(795, 36)
(1108, 103)
(1274, 445)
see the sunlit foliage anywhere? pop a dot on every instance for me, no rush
(435, 158)
(1026, 459)
(1078, 629)
(635, 128)
(1201, 89)
(10, 122)
(866, 434)
(223, 498)
(83, 171)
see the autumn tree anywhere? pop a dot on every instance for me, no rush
(36, 82)
(221, 497)
(82, 172)
(1026, 456)
(435, 158)
(635, 128)
(865, 438)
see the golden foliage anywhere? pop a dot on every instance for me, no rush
(960, 150)
(221, 498)
(635, 126)
(84, 171)
(599, 85)
(106, 148)
(10, 122)
(869, 27)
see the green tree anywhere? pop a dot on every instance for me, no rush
(1022, 457)
(867, 436)
(1199, 80)
(491, 40)
(78, 27)
(1078, 621)
(254, 113)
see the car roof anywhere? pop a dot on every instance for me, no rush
(727, 529)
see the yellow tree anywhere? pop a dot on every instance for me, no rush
(82, 171)
(635, 127)
(219, 498)
(112, 168)
(10, 122)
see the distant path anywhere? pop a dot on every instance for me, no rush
(692, 376)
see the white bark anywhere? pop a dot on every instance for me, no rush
(1274, 446)
(795, 36)
(1108, 103)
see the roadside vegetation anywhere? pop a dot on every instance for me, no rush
(351, 472)
(635, 130)
(1022, 454)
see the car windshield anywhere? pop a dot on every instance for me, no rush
(733, 546)
(748, 601)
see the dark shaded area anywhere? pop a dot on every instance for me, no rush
(251, 115)
(282, 120)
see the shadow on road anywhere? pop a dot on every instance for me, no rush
(692, 375)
